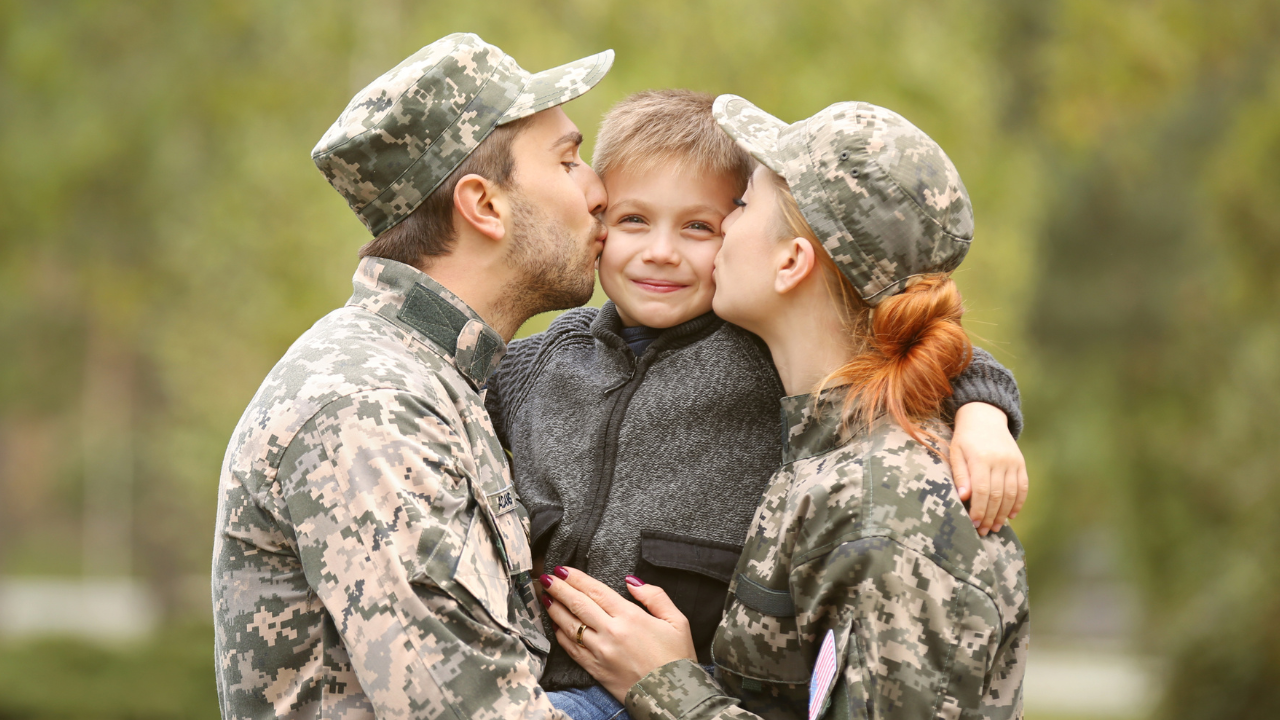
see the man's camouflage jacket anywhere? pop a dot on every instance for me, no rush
(371, 558)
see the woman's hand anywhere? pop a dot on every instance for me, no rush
(988, 467)
(621, 643)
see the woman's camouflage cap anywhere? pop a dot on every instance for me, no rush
(401, 136)
(883, 198)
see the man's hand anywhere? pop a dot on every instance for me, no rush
(988, 466)
(621, 643)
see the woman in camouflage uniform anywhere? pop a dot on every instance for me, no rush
(863, 589)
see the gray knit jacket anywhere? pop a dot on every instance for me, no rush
(653, 466)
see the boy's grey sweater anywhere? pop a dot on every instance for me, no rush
(653, 466)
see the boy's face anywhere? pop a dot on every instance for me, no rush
(664, 233)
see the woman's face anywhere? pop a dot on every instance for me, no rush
(745, 267)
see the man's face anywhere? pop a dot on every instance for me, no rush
(555, 200)
(664, 232)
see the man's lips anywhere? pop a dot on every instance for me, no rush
(658, 286)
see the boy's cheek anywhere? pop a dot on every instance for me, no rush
(611, 261)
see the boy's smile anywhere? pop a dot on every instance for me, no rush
(664, 232)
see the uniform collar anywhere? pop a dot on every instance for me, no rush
(811, 424)
(413, 301)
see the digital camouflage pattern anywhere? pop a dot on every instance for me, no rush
(371, 558)
(884, 198)
(864, 537)
(401, 136)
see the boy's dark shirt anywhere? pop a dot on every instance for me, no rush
(623, 461)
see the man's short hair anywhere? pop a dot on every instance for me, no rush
(428, 231)
(654, 128)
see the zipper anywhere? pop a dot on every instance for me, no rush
(607, 462)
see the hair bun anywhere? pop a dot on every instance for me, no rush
(924, 320)
(915, 346)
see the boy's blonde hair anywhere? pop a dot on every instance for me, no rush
(668, 127)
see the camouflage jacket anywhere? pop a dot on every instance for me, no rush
(864, 540)
(371, 559)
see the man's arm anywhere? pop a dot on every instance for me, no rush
(399, 550)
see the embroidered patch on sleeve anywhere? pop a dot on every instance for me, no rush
(824, 671)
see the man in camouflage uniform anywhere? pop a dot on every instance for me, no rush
(863, 590)
(371, 558)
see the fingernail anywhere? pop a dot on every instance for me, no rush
(1013, 515)
(562, 572)
(546, 581)
(996, 528)
(546, 601)
(634, 581)
(977, 524)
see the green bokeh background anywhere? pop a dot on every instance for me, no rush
(164, 237)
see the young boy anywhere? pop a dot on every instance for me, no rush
(643, 433)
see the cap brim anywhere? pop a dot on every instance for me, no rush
(558, 85)
(755, 130)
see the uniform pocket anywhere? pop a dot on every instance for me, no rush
(695, 574)
(481, 572)
(759, 639)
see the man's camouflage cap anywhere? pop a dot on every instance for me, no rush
(883, 198)
(401, 136)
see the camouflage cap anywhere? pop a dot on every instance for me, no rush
(881, 195)
(401, 136)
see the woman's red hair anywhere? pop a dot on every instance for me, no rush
(916, 345)
(909, 347)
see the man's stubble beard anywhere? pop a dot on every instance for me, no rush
(554, 271)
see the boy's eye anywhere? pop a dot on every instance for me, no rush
(631, 219)
(701, 226)
(569, 165)
(739, 202)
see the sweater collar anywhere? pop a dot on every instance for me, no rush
(411, 300)
(607, 327)
(812, 424)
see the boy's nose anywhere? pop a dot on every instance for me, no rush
(662, 249)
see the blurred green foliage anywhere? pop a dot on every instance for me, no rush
(169, 677)
(165, 237)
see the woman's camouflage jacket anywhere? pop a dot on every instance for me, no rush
(862, 539)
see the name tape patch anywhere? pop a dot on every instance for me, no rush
(502, 502)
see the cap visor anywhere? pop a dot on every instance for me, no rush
(558, 85)
(754, 129)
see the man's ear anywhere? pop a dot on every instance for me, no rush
(796, 260)
(482, 205)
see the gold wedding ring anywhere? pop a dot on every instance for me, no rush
(578, 638)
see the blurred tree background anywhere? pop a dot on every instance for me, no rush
(165, 237)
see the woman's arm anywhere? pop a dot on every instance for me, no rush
(908, 639)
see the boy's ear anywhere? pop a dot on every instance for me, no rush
(482, 205)
(796, 260)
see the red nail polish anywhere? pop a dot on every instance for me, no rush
(546, 581)
(634, 581)
(546, 601)
(562, 572)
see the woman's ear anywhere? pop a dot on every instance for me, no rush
(482, 205)
(797, 259)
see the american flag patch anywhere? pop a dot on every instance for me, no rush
(824, 671)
